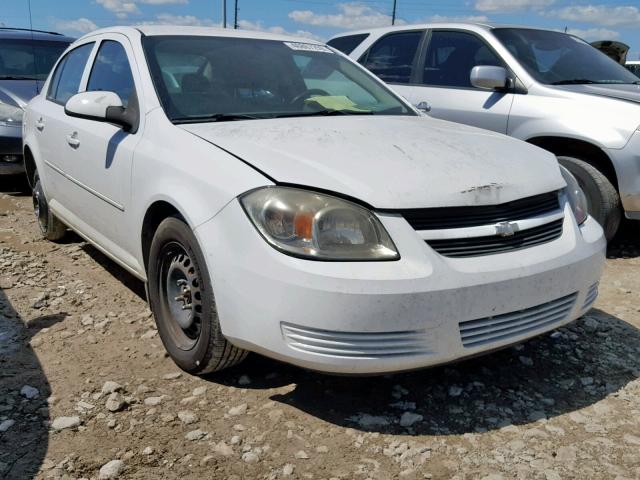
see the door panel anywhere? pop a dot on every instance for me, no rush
(100, 155)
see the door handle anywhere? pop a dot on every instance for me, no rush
(40, 124)
(73, 141)
(423, 106)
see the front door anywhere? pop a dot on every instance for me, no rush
(442, 80)
(100, 154)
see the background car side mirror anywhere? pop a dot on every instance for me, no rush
(489, 78)
(101, 107)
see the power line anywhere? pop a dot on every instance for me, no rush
(393, 16)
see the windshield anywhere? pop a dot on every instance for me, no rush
(219, 78)
(559, 59)
(28, 59)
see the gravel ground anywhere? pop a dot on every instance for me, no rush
(86, 390)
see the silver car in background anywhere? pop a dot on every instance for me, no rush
(548, 88)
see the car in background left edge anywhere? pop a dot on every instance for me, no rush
(26, 57)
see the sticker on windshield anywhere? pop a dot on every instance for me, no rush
(308, 47)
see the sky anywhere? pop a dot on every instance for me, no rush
(321, 19)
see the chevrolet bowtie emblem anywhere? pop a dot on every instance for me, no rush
(506, 229)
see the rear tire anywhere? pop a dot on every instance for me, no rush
(51, 227)
(602, 198)
(181, 298)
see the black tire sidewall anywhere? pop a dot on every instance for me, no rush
(37, 187)
(590, 188)
(604, 200)
(194, 360)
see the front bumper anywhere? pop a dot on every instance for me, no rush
(11, 161)
(626, 162)
(377, 317)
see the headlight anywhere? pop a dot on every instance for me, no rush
(10, 115)
(577, 199)
(316, 226)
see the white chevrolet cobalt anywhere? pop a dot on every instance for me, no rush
(276, 197)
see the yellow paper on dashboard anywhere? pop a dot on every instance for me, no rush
(335, 102)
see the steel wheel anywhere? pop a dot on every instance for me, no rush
(180, 295)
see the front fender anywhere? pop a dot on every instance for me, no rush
(196, 178)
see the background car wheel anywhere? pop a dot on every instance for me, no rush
(50, 227)
(181, 298)
(602, 197)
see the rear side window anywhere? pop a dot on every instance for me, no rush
(452, 55)
(348, 43)
(392, 57)
(65, 81)
(111, 71)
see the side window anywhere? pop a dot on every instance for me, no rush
(452, 55)
(391, 58)
(111, 71)
(66, 79)
(348, 43)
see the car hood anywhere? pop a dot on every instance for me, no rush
(630, 93)
(19, 92)
(389, 162)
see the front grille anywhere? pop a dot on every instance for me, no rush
(356, 344)
(483, 331)
(462, 217)
(491, 245)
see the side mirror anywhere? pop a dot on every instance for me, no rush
(489, 78)
(101, 107)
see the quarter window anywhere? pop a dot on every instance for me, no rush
(111, 71)
(451, 56)
(392, 57)
(348, 43)
(66, 79)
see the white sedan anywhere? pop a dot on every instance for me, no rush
(276, 197)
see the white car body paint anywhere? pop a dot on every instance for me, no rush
(364, 313)
(607, 117)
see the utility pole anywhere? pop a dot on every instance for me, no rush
(235, 15)
(224, 13)
(393, 16)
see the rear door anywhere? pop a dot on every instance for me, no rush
(50, 121)
(442, 79)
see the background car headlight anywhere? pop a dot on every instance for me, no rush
(577, 199)
(317, 226)
(10, 115)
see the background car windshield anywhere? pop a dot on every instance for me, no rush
(199, 77)
(558, 58)
(28, 59)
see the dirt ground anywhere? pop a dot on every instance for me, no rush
(86, 390)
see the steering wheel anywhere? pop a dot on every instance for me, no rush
(308, 93)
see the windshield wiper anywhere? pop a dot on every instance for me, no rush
(324, 113)
(217, 117)
(575, 81)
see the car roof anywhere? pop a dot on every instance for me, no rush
(451, 25)
(156, 30)
(633, 62)
(7, 33)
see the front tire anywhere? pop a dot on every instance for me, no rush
(51, 227)
(181, 298)
(602, 198)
